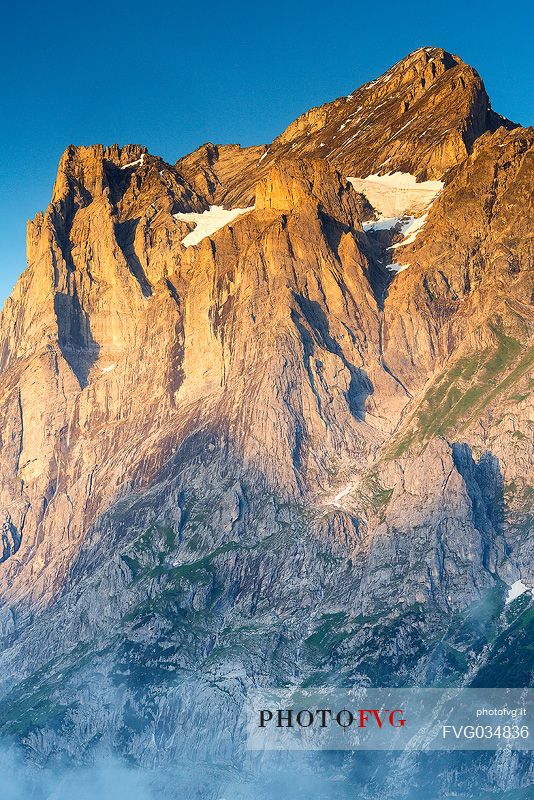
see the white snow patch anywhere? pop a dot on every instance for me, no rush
(398, 193)
(208, 222)
(109, 368)
(336, 501)
(392, 196)
(409, 229)
(140, 161)
(263, 156)
(401, 129)
(516, 590)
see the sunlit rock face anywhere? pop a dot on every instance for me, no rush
(265, 418)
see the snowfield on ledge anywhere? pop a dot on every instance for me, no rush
(397, 194)
(208, 222)
(516, 590)
(399, 202)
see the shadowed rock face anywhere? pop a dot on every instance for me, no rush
(257, 458)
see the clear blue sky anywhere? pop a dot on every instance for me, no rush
(172, 75)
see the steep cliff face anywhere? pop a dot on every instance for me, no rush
(99, 258)
(458, 321)
(249, 454)
(218, 172)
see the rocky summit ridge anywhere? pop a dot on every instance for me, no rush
(250, 455)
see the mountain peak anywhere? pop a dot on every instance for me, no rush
(419, 59)
(268, 443)
(421, 116)
(429, 52)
